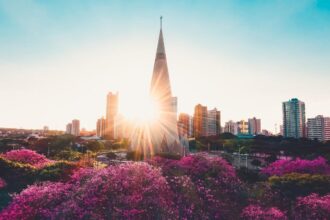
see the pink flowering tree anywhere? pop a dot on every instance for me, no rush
(205, 187)
(27, 157)
(312, 207)
(256, 212)
(130, 191)
(282, 167)
(3, 183)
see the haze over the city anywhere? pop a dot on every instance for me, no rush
(59, 59)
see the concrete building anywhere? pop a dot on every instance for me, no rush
(200, 121)
(213, 122)
(100, 127)
(68, 129)
(231, 127)
(75, 127)
(318, 128)
(184, 125)
(254, 126)
(326, 134)
(294, 119)
(111, 113)
(243, 127)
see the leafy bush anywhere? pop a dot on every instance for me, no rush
(205, 187)
(27, 157)
(19, 175)
(60, 170)
(256, 212)
(282, 167)
(69, 155)
(130, 191)
(312, 207)
(3, 183)
(295, 184)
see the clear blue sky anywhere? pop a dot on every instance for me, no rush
(58, 59)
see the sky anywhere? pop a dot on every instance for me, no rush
(59, 59)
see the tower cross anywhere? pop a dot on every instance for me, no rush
(161, 22)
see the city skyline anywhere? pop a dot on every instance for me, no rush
(51, 73)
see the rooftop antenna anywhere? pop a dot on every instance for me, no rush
(161, 22)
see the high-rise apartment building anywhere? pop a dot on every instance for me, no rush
(326, 134)
(213, 122)
(75, 127)
(184, 125)
(100, 127)
(200, 121)
(318, 128)
(254, 126)
(111, 113)
(68, 129)
(243, 127)
(231, 127)
(294, 119)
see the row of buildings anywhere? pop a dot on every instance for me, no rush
(295, 125)
(204, 122)
(250, 127)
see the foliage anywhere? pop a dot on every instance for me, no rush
(256, 163)
(282, 167)
(169, 156)
(205, 187)
(95, 146)
(3, 183)
(19, 175)
(60, 170)
(248, 176)
(135, 156)
(312, 207)
(27, 157)
(256, 212)
(69, 155)
(296, 184)
(111, 155)
(130, 191)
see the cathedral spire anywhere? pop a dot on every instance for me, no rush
(161, 22)
(160, 54)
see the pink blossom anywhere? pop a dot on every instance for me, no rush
(130, 191)
(205, 187)
(256, 212)
(312, 207)
(27, 157)
(282, 167)
(3, 183)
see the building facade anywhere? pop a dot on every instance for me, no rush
(100, 127)
(294, 119)
(254, 126)
(318, 128)
(184, 125)
(243, 127)
(111, 113)
(200, 121)
(213, 122)
(231, 127)
(68, 129)
(75, 127)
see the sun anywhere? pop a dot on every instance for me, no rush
(139, 109)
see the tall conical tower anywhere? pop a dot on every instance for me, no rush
(165, 133)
